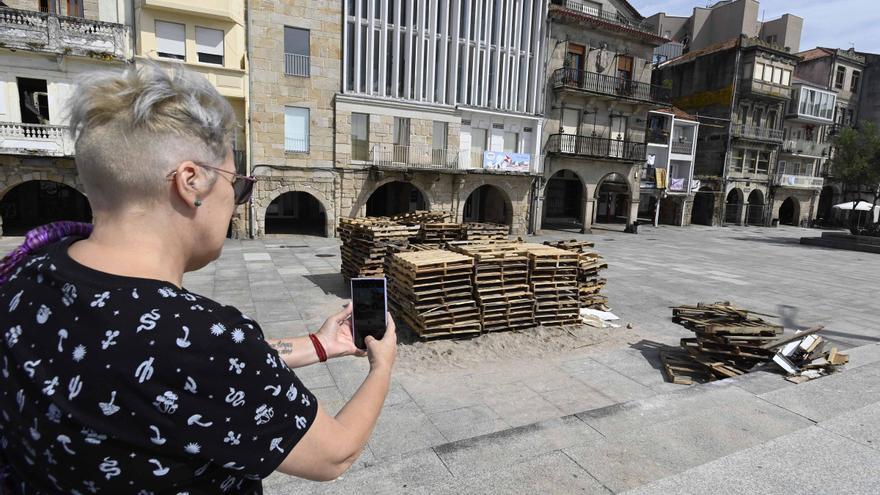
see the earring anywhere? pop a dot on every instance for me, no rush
(198, 202)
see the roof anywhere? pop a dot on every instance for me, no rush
(717, 47)
(677, 112)
(815, 53)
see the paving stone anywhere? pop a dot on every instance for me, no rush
(467, 422)
(606, 380)
(505, 448)
(403, 428)
(518, 405)
(860, 426)
(829, 396)
(257, 257)
(834, 465)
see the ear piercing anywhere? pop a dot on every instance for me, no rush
(198, 202)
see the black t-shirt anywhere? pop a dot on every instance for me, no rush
(130, 385)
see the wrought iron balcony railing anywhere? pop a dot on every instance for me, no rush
(595, 147)
(418, 157)
(602, 84)
(683, 147)
(754, 132)
(799, 181)
(593, 10)
(297, 65)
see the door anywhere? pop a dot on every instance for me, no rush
(570, 126)
(478, 146)
(576, 60)
(618, 136)
(625, 73)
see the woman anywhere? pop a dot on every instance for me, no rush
(115, 377)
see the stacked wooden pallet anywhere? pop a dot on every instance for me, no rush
(364, 244)
(590, 263)
(485, 231)
(553, 280)
(729, 341)
(438, 232)
(433, 291)
(501, 287)
(419, 217)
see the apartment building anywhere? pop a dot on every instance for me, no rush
(599, 93)
(842, 73)
(740, 89)
(44, 46)
(667, 178)
(209, 38)
(377, 107)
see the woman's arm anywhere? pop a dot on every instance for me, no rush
(331, 445)
(334, 335)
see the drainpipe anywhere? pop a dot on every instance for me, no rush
(250, 134)
(733, 101)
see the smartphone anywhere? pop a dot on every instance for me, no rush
(369, 309)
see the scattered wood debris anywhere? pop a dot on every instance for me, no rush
(730, 341)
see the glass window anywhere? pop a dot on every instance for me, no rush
(511, 142)
(296, 129)
(854, 82)
(296, 40)
(786, 77)
(736, 160)
(401, 131)
(478, 146)
(777, 75)
(781, 167)
(840, 77)
(751, 158)
(768, 73)
(360, 136)
(209, 45)
(440, 135)
(763, 163)
(171, 40)
(759, 71)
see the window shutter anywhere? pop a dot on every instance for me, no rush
(171, 38)
(209, 41)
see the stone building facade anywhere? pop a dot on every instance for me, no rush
(41, 54)
(599, 93)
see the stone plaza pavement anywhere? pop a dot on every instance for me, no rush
(601, 418)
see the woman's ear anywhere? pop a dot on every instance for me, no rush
(189, 184)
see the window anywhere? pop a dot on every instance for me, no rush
(780, 167)
(736, 160)
(768, 73)
(759, 71)
(786, 77)
(296, 52)
(854, 81)
(763, 164)
(401, 139)
(840, 77)
(575, 58)
(777, 75)
(209, 45)
(296, 129)
(624, 67)
(511, 142)
(751, 157)
(33, 100)
(72, 8)
(439, 138)
(171, 40)
(360, 136)
(478, 146)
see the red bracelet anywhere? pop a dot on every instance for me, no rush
(322, 354)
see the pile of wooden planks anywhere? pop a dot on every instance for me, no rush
(485, 231)
(553, 280)
(590, 284)
(433, 292)
(729, 341)
(440, 232)
(501, 285)
(364, 244)
(419, 217)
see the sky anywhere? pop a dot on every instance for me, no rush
(830, 23)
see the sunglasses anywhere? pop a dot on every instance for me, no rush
(242, 185)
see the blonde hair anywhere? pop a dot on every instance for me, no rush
(133, 127)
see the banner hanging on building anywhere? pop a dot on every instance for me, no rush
(504, 160)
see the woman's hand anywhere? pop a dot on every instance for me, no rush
(335, 335)
(382, 353)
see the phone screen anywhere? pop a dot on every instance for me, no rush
(368, 313)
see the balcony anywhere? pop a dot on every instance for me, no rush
(297, 65)
(765, 89)
(617, 87)
(62, 35)
(595, 147)
(798, 181)
(658, 136)
(806, 148)
(592, 11)
(35, 139)
(683, 147)
(756, 133)
(416, 157)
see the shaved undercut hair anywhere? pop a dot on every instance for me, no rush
(133, 127)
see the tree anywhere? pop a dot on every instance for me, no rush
(856, 163)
